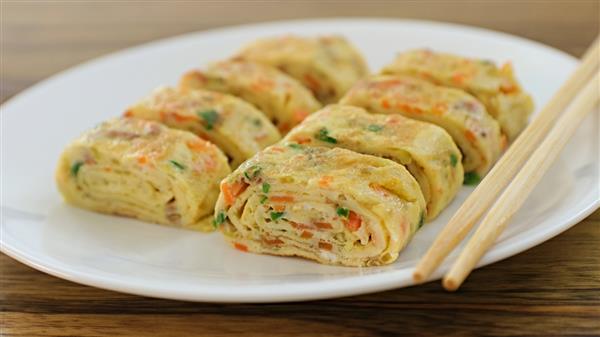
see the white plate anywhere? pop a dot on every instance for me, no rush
(39, 230)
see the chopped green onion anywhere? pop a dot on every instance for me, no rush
(375, 127)
(263, 199)
(219, 219)
(210, 117)
(295, 146)
(471, 178)
(323, 135)
(266, 187)
(453, 160)
(252, 172)
(341, 211)
(276, 215)
(421, 220)
(75, 167)
(257, 122)
(176, 164)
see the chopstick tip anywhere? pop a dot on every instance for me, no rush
(450, 284)
(418, 277)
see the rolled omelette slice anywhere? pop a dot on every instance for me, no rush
(426, 150)
(143, 169)
(235, 126)
(334, 206)
(328, 65)
(475, 132)
(283, 99)
(496, 87)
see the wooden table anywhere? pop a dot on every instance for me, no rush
(552, 289)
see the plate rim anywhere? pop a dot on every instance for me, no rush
(364, 284)
(328, 289)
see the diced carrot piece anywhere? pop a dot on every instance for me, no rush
(302, 140)
(470, 136)
(227, 194)
(284, 127)
(306, 235)
(300, 115)
(409, 108)
(183, 118)
(240, 247)
(230, 191)
(385, 103)
(458, 78)
(380, 189)
(325, 245)
(325, 181)
(508, 88)
(427, 75)
(196, 146)
(279, 208)
(162, 115)
(312, 82)
(417, 110)
(238, 187)
(142, 160)
(323, 225)
(282, 198)
(354, 221)
(300, 225)
(128, 113)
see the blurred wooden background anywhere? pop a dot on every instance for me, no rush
(40, 38)
(552, 289)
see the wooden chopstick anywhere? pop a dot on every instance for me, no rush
(489, 188)
(519, 189)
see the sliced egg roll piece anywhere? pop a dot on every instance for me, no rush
(142, 169)
(235, 126)
(328, 65)
(334, 206)
(426, 150)
(496, 87)
(475, 132)
(283, 99)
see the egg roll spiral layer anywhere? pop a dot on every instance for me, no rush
(426, 150)
(334, 206)
(236, 127)
(142, 169)
(475, 132)
(327, 65)
(495, 87)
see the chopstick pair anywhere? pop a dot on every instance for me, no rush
(528, 149)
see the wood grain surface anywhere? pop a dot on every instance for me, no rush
(550, 290)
